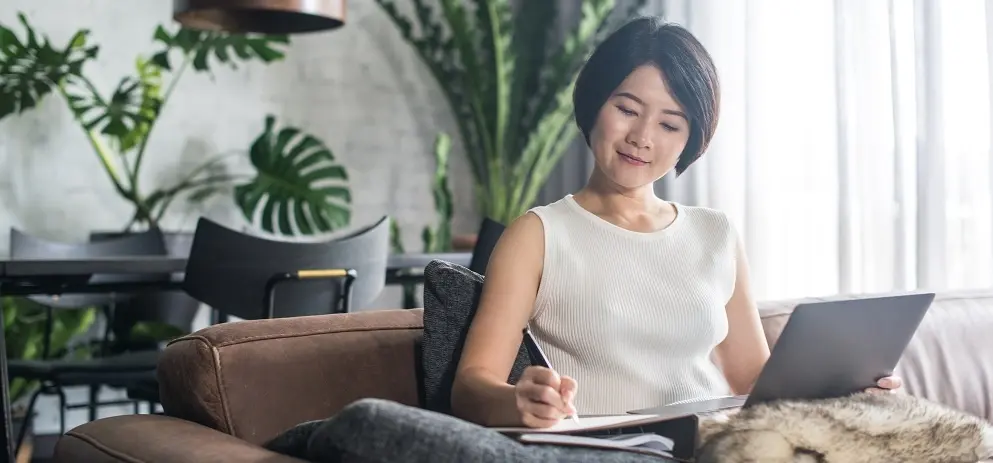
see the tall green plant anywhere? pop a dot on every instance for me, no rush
(438, 237)
(293, 172)
(508, 83)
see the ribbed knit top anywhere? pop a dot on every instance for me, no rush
(634, 317)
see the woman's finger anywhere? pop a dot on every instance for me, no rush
(890, 382)
(568, 387)
(568, 392)
(544, 376)
(544, 411)
(544, 394)
(532, 421)
(876, 390)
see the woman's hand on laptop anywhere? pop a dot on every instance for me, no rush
(887, 385)
(543, 397)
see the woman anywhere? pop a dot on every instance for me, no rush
(628, 294)
(632, 298)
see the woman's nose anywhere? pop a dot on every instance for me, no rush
(638, 137)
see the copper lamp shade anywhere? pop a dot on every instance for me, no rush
(261, 16)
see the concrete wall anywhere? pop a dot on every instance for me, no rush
(361, 89)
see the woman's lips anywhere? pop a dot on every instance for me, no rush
(631, 159)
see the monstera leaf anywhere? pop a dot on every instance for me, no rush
(299, 189)
(32, 68)
(150, 103)
(129, 112)
(225, 48)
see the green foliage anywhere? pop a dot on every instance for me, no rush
(119, 127)
(24, 333)
(294, 183)
(508, 83)
(409, 298)
(396, 238)
(32, 68)
(154, 332)
(127, 116)
(24, 329)
(439, 238)
(201, 45)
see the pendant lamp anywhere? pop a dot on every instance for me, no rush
(260, 16)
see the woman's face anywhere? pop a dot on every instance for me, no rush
(640, 131)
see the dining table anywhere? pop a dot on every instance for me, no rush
(25, 277)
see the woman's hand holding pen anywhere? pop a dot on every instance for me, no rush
(543, 397)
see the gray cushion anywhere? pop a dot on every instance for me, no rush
(451, 294)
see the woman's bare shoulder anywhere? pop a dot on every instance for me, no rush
(528, 227)
(517, 259)
(525, 233)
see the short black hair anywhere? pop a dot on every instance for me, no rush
(687, 66)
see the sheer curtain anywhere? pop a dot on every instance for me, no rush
(853, 152)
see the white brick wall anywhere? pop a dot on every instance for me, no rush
(360, 88)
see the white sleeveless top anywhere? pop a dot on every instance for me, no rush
(634, 317)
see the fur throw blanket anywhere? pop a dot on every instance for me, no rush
(865, 427)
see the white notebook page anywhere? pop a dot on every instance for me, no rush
(585, 423)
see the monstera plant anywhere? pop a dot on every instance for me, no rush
(298, 187)
(508, 80)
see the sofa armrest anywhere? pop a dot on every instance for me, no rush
(255, 379)
(156, 438)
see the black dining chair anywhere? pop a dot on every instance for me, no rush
(103, 369)
(489, 233)
(148, 243)
(253, 277)
(175, 310)
(170, 313)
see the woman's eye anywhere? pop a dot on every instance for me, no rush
(626, 111)
(669, 128)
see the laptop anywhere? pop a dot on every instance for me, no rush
(827, 349)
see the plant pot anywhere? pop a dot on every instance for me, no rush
(464, 243)
(177, 243)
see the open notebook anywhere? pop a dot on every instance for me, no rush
(637, 417)
(644, 443)
(561, 434)
(586, 423)
(656, 430)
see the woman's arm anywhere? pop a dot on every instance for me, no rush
(480, 392)
(745, 350)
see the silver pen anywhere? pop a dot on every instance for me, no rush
(537, 355)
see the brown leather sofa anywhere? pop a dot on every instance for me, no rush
(228, 388)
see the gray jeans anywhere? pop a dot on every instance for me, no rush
(381, 431)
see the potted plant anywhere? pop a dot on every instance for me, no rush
(298, 188)
(509, 85)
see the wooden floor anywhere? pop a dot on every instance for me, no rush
(42, 447)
